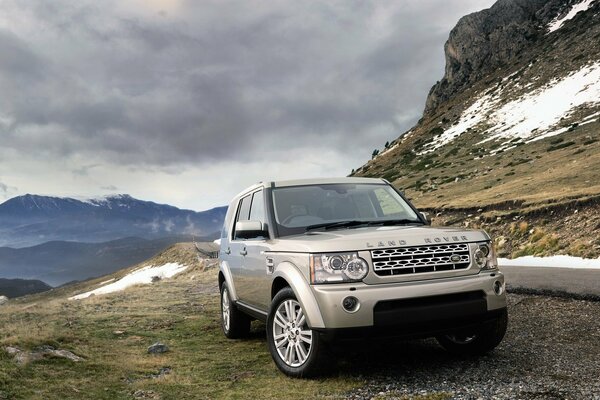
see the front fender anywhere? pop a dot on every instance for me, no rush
(303, 292)
(224, 268)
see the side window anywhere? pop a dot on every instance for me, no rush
(243, 210)
(257, 211)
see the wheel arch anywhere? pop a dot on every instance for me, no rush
(287, 274)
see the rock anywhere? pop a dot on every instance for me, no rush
(483, 41)
(158, 348)
(65, 354)
(118, 333)
(25, 357)
(3, 299)
(501, 242)
(12, 350)
(155, 279)
(145, 394)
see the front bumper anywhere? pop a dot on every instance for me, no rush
(465, 298)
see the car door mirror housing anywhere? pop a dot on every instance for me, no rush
(250, 230)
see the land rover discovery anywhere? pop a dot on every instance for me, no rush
(323, 259)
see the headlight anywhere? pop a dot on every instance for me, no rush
(485, 256)
(337, 268)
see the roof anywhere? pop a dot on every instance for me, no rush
(324, 181)
(313, 181)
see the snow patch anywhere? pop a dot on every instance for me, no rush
(530, 117)
(552, 261)
(138, 277)
(558, 22)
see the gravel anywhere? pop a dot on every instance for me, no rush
(551, 351)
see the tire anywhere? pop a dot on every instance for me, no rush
(296, 349)
(235, 324)
(477, 342)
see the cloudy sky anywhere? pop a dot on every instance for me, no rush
(188, 102)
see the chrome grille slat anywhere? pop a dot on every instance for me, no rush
(419, 259)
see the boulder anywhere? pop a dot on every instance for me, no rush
(158, 348)
(3, 299)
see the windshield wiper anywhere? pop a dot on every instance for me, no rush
(357, 223)
(393, 222)
(339, 224)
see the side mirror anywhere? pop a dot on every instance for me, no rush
(426, 217)
(250, 230)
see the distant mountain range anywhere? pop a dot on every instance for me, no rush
(30, 220)
(58, 240)
(58, 262)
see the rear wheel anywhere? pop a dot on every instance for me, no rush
(295, 348)
(235, 324)
(477, 341)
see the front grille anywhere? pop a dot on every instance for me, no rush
(419, 259)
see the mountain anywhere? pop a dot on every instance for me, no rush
(58, 262)
(512, 129)
(21, 287)
(31, 220)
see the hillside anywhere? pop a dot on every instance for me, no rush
(30, 220)
(21, 287)
(510, 135)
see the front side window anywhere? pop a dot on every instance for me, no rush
(299, 208)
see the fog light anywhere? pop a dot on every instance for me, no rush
(351, 304)
(498, 288)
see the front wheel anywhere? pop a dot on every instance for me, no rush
(478, 341)
(295, 348)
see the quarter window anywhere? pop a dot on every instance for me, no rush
(257, 211)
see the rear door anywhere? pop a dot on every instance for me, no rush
(255, 283)
(237, 247)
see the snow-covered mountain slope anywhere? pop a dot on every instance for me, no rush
(570, 11)
(533, 114)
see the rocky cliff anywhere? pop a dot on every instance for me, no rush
(490, 39)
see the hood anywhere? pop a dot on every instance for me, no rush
(369, 238)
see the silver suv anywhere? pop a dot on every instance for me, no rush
(319, 260)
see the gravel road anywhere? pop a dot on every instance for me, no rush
(551, 351)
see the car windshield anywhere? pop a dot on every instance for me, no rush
(299, 209)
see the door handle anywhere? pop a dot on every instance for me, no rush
(243, 251)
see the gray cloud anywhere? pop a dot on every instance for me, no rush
(6, 191)
(175, 85)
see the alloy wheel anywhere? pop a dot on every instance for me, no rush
(291, 334)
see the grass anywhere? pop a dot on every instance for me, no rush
(181, 312)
